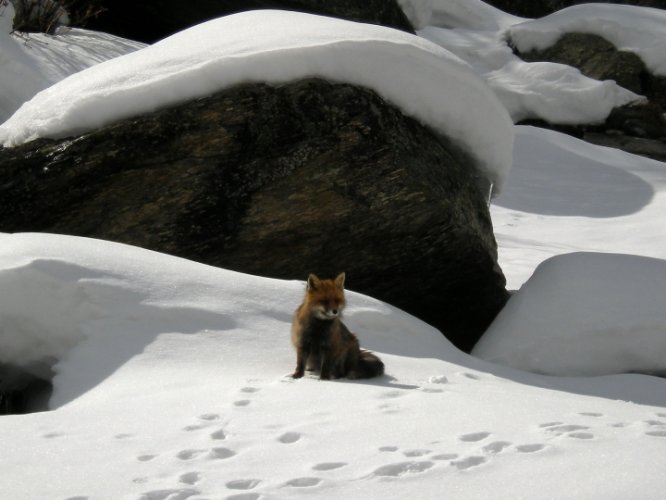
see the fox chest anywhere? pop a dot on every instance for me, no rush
(317, 333)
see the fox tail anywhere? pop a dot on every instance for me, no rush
(369, 365)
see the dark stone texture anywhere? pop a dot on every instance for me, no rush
(541, 8)
(152, 20)
(279, 181)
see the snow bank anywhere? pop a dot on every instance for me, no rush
(556, 93)
(641, 30)
(584, 314)
(424, 80)
(467, 14)
(70, 299)
(35, 61)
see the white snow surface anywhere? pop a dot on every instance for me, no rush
(172, 383)
(419, 77)
(172, 377)
(466, 14)
(641, 30)
(35, 61)
(584, 314)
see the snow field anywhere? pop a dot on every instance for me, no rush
(177, 382)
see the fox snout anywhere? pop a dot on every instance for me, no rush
(327, 313)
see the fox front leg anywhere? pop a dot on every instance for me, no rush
(302, 355)
(326, 364)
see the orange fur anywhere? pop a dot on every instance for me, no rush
(322, 341)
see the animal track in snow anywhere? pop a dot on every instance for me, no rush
(245, 496)
(242, 402)
(563, 429)
(415, 453)
(189, 454)
(474, 437)
(209, 416)
(581, 435)
(445, 456)
(145, 458)
(402, 468)
(496, 447)
(190, 478)
(52, 435)
(530, 448)
(192, 428)
(550, 424)
(329, 466)
(656, 433)
(289, 437)
(219, 435)
(391, 394)
(388, 448)
(591, 414)
(123, 436)
(220, 453)
(172, 494)
(250, 390)
(242, 484)
(469, 462)
(303, 482)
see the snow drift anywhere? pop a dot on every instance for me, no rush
(584, 314)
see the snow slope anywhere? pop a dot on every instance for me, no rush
(275, 47)
(172, 385)
(33, 62)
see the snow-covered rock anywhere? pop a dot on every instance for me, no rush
(641, 30)
(421, 78)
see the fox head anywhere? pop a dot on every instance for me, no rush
(325, 298)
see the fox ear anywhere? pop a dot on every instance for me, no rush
(313, 281)
(340, 280)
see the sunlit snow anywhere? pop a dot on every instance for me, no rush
(171, 377)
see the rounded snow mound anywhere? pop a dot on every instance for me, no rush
(584, 314)
(641, 30)
(424, 80)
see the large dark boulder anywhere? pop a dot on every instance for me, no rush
(279, 181)
(152, 20)
(530, 8)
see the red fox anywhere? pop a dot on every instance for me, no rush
(322, 341)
